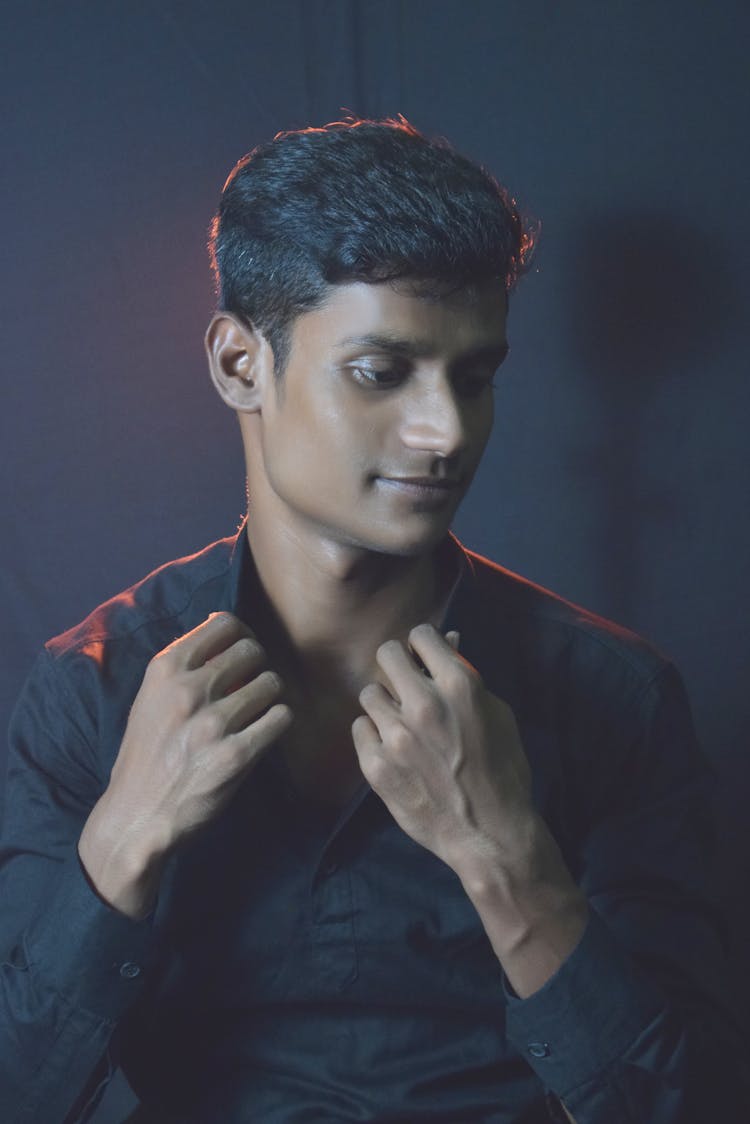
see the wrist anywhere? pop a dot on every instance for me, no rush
(533, 912)
(524, 886)
(123, 862)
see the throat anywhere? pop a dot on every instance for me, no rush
(334, 628)
(322, 683)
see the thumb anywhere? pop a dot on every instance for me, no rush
(453, 639)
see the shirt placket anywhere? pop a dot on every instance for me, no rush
(332, 935)
(333, 904)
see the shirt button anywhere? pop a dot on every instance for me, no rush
(539, 1049)
(129, 970)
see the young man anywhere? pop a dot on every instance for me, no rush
(337, 820)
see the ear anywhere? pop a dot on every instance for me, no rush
(240, 361)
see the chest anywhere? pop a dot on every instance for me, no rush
(319, 760)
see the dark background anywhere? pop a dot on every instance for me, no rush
(618, 474)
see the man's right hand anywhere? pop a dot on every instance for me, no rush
(205, 713)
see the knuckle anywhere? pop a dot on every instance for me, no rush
(420, 631)
(359, 725)
(256, 736)
(427, 710)
(271, 681)
(374, 767)
(458, 683)
(182, 700)
(283, 716)
(400, 741)
(248, 649)
(368, 693)
(208, 726)
(224, 619)
(161, 664)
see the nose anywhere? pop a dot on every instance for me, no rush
(433, 421)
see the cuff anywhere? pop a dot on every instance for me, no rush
(87, 952)
(585, 1017)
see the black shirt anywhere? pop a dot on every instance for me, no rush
(310, 966)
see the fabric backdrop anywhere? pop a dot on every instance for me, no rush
(618, 474)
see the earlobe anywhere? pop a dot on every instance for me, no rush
(237, 358)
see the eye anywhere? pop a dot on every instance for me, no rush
(377, 378)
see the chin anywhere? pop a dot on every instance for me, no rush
(404, 542)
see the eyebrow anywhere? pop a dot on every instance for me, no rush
(415, 349)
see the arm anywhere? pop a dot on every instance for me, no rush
(620, 1006)
(65, 975)
(82, 855)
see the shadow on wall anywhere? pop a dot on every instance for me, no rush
(652, 297)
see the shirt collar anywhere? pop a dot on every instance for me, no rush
(244, 584)
(244, 591)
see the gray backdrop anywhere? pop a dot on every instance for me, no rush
(618, 471)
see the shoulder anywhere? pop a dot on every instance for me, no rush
(159, 600)
(603, 711)
(104, 656)
(77, 697)
(553, 640)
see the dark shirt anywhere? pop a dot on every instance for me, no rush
(323, 967)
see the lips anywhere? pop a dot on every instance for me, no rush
(424, 481)
(425, 492)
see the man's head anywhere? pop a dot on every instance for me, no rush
(357, 200)
(371, 267)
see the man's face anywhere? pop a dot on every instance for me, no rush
(381, 387)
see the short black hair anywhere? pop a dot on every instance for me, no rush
(357, 200)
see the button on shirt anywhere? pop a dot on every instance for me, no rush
(309, 965)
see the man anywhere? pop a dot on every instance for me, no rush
(337, 820)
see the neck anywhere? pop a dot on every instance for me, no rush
(334, 603)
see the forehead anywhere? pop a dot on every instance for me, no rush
(437, 324)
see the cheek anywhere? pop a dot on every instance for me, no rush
(320, 451)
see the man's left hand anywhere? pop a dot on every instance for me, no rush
(444, 753)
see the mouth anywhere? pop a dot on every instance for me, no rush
(425, 481)
(421, 487)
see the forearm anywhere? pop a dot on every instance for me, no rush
(533, 912)
(601, 1029)
(123, 867)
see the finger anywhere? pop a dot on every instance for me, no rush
(379, 707)
(245, 705)
(367, 743)
(213, 636)
(365, 734)
(254, 739)
(401, 670)
(235, 666)
(433, 649)
(454, 639)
